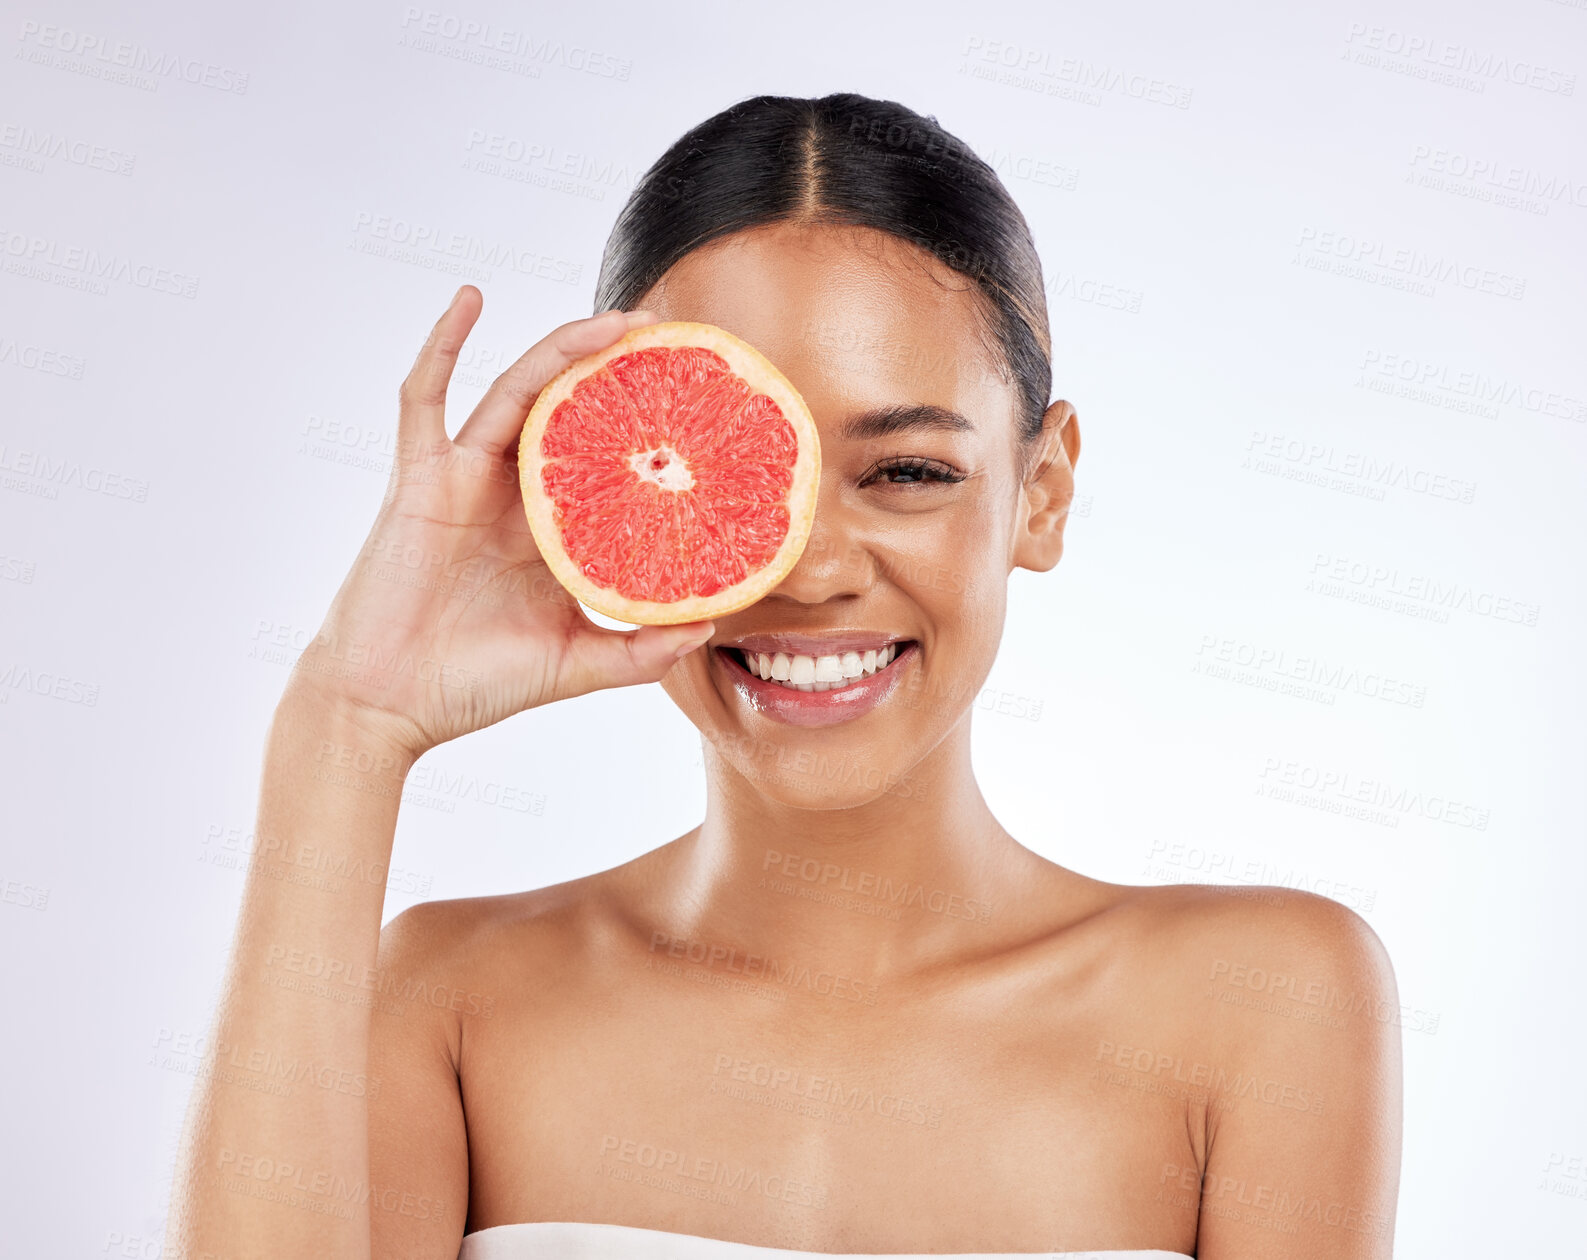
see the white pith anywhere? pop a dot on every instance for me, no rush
(798, 672)
(673, 474)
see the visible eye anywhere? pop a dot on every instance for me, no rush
(909, 472)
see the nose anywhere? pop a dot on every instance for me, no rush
(835, 563)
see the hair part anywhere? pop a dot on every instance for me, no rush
(843, 159)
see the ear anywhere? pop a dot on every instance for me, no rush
(1048, 490)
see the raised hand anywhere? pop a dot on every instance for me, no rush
(450, 619)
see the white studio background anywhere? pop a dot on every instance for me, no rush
(1315, 276)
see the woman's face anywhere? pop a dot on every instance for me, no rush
(916, 529)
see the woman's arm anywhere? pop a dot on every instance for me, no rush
(418, 1142)
(450, 621)
(263, 1173)
(1303, 1153)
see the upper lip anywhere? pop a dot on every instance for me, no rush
(829, 643)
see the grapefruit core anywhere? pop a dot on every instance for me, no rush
(670, 477)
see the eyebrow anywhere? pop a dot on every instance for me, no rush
(885, 421)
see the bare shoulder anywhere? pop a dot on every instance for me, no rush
(464, 921)
(483, 946)
(1286, 922)
(1252, 926)
(1277, 1014)
(455, 927)
(1277, 979)
(1273, 944)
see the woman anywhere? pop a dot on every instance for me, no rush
(848, 1012)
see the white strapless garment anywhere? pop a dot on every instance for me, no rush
(577, 1240)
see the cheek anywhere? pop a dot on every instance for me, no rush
(953, 558)
(688, 685)
(682, 689)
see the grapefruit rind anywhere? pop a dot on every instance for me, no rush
(762, 376)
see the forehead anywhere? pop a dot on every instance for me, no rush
(854, 317)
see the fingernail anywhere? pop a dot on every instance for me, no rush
(688, 647)
(636, 318)
(455, 296)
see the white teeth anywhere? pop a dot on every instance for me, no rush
(819, 673)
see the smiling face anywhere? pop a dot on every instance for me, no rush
(923, 509)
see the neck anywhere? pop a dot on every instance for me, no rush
(919, 872)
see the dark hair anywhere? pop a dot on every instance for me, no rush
(851, 159)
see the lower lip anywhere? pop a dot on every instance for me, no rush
(815, 708)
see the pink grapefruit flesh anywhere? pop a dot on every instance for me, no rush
(670, 477)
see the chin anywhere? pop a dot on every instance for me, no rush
(824, 761)
(806, 779)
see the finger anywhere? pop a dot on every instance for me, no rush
(421, 402)
(600, 658)
(499, 418)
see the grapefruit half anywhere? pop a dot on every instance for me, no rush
(670, 477)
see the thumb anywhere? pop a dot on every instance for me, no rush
(625, 658)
